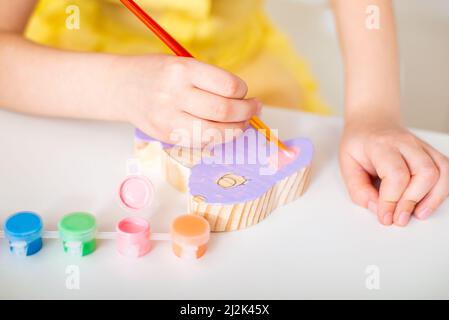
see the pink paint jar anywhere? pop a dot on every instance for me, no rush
(136, 193)
(133, 237)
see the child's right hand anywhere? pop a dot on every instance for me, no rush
(161, 93)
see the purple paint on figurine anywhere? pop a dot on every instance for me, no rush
(240, 171)
(140, 135)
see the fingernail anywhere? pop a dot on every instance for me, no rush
(372, 206)
(388, 219)
(404, 218)
(424, 214)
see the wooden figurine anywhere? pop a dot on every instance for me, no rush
(236, 184)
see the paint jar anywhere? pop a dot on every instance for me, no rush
(190, 234)
(136, 193)
(133, 237)
(24, 233)
(77, 231)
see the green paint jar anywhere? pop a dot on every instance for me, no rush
(77, 231)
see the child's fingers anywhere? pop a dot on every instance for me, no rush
(424, 175)
(440, 191)
(358, 182)
(190, 131)
(212, 107)
(217, 81)
(395, 176)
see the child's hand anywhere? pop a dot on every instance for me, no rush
(414, 176)
(160, 94)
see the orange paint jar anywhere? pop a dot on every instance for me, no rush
(190, 234)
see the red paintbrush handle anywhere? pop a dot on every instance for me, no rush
(157, 29)
(180, 51)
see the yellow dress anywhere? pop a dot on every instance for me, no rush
(233, 34)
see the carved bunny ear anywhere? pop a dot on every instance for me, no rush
(237, 187)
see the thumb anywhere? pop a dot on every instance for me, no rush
(359, 184)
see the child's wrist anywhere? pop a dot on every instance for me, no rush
(376, 115)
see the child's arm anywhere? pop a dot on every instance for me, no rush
(156, 93)
(414, 176)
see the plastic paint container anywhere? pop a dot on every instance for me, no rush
(133, 237)
(24, 233)
(77, 231)
(190, 234)
(136, 192)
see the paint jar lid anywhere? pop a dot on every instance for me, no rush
(134, 228)
(77, 226)
(190, 229)
(22, 225)
(136, 192)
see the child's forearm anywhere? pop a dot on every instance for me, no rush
(370, 58)
(156, 93)
(44, 81)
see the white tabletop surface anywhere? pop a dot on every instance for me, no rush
(320, 246)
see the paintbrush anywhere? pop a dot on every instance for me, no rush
(179, 50)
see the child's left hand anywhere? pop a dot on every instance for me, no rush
(414, 176)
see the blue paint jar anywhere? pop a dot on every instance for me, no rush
(24, 233)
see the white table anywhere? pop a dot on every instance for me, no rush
(320, 246)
